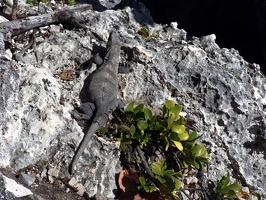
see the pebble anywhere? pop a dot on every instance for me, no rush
(26, 178)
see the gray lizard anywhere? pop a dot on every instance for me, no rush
(102, 89)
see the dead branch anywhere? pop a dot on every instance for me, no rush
(69, 15)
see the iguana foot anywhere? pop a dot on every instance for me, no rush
(87, 111)
(87, 108)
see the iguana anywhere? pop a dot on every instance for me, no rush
(102, 90)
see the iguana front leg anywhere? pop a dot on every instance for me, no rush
(87, 111)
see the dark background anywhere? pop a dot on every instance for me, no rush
(239, 24)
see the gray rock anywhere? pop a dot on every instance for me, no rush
(101, 5)
(244, 31)
(26, 179)
(11, 190)
(220, 91)
(109, 4)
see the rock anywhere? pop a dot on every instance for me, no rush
(54, 172)
(109, 4)
(11, 190)
(101, 4)
(220, 91)
(81, 189)
(245, 32)
(3, 19)
(26, 179)
(44, 173)
(72, 182)
(190, 180)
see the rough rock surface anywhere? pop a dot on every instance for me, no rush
(11, 190)
(220, 91)
(240, 24)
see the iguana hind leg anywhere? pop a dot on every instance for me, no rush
(87, 108)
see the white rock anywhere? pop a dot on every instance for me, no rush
(13, 187)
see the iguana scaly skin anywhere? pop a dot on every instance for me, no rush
(103, 88)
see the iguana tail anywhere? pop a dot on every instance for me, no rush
(93, 128)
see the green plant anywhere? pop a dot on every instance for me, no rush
(35, 2)
(144, 32)
(139, 129)
(70, 2)
(139, 121)
(224, 189)
(168, 178)
(30, 2)
(165, 179)
(147, 186)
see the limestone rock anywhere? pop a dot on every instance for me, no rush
(220, 91)
(109, 4)
(26, 179)
(11, 190)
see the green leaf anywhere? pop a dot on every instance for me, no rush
(178, 129)
(186, 167)
(200, 151)
(169, 182)
(193, 136)
(196, 164)
(236, 187)
(174, 137)
(167, 143)
(178, 183)
(153, 121)
(164, 189)
(139, 108)
(222, 191)
(142, 125)
(181, 120)
(142, 181)
(161, 179)
(169, 173)
(178, 145)
(132, 129)
(225, 181)
(130, 106)
(163, 124)
(170, 120)
(183, 136)
(142, 134)
(169, 104)
(189, 146)
(152, 188)
(147, 186)
(176, 110)
(143, 141)
(102, 130)
(126, 141)
(157, 167)
(147, 114)
(164, 168)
